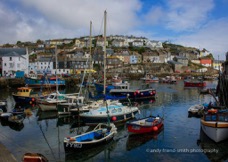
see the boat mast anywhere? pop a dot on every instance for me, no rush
(104, 48)
(56, 69)
(90, 55)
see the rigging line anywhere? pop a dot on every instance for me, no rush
(46, 140)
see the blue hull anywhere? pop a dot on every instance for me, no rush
(100, 87)
(134, 95)
(22, 99)
(41, 82)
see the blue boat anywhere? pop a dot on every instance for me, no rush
(102, 134)
(44, 82)
(100, 87)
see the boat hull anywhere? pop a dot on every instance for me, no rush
(37, 83)
(195, 84)
(80, 147)
(47, 106)
(145, 125)
(135, 94)
(93, 120)
(216, 130)
(24, 99)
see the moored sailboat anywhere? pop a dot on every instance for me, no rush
(113, 109)
(102, 134)
(214, 122)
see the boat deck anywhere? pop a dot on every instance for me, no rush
(5, 155)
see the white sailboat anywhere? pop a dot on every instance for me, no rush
(50, 103)
(102, 134)
(115, 110)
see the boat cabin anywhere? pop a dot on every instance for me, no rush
(24, 91)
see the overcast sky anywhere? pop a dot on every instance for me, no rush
(192, 23)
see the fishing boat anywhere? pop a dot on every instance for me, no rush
(116, 111)
(214, 123)
(150, 78)
(194, 83)
(71, 103)
(49, 103)
(27, 95)
(144, 92)
(44, 81)
(150, 124)
(100, 135)
(34, 157)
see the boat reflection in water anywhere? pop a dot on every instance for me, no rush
(214, 151)
(16, 127)
(137, 140)
(90, 153)
(42, 115)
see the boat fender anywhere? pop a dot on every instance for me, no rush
(212, 111)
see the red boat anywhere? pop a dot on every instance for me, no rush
(34, 157)
(150, 124)
(194, 83)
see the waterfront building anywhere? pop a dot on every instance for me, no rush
(14, 59)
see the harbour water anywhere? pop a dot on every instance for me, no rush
(180, 140)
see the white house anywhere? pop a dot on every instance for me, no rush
(154, 44)
(14, 59)
(120, 43)
(137, 43)
(42, 65)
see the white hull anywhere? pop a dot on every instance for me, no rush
(217, 134)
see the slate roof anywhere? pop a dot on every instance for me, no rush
(12, 51)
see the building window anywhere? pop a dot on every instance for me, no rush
(11, 65)
(5, 64)
(18, 65)
(10, 58)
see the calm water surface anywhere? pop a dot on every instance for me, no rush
(180, 140)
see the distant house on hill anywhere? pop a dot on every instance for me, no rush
(152, 44)
(14, 59)
(206, 61)
(120, 43)
(181, 59)
(135, 58)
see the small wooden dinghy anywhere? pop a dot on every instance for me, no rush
(34, 157)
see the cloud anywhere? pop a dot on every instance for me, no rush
(76, 15)
(213, 37)
(32, 20)
(179, 15)
(188, 14)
